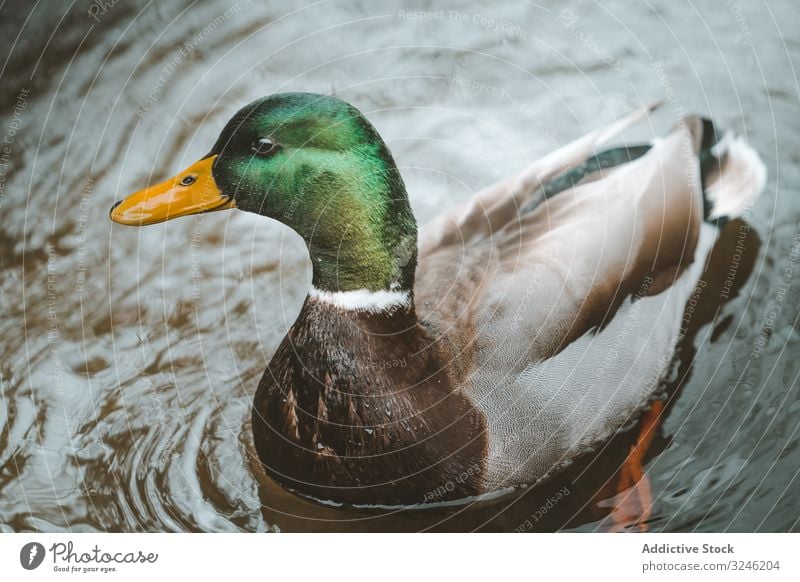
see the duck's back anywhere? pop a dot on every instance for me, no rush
(563, 313)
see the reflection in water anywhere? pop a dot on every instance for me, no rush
(131, 360)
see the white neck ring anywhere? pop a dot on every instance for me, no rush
(363, 299)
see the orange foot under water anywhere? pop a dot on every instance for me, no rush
(632, 500)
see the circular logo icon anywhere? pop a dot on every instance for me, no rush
(31, 555)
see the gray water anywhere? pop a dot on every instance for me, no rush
(130, 356)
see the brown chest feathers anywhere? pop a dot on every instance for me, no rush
(360, 408)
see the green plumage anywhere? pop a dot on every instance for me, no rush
(332, 179)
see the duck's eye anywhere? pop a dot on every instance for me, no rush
(263, 146)
(188, 180)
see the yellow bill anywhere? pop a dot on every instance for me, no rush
(190, 192)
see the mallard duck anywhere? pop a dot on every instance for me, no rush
(486, 351)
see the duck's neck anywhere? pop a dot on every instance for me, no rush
(363, 243)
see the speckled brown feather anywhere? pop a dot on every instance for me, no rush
(357, 407)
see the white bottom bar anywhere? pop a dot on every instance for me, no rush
(386, 557)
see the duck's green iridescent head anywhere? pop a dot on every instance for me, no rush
(314, 163)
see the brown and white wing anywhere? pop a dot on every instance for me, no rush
(541, 314)
(461, 250)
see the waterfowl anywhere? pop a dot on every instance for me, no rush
(492, 347)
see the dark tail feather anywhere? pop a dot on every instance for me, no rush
(710, 166)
